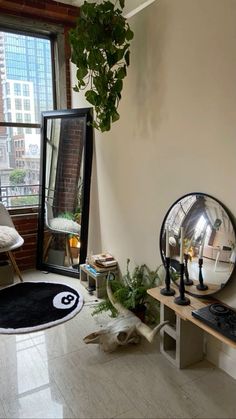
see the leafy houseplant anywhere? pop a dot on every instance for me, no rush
(100, 51)
(131, 291)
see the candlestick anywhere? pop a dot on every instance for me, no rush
(167, 290)
(202, 246)
(201, 252)
(167, 243)
(181, 245)
(201, 286)
(181, 299)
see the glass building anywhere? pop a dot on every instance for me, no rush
(27, 58)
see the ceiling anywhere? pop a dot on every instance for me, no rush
(132, 6)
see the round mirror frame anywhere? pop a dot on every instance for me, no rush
(191, 289)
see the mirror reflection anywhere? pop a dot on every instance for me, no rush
(208, 239)
(64, 207)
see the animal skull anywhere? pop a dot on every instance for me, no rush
(119, 332)
(126, 328)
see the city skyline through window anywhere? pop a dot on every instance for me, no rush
(26, 90)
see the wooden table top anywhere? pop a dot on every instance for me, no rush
(185, 312)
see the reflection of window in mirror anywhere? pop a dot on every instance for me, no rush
(200, 228)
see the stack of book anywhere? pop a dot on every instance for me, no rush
(103, 262)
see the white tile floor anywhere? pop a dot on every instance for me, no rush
(53, 374)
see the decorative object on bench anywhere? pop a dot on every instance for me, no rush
(201, 286)
(208, 229)
(126, 328)
(182, 300)
(167, 290)
(102, 262)
(10, 239)
(220, 317)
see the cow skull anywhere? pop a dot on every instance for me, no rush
(126, 328)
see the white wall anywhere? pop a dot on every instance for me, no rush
(177, 132)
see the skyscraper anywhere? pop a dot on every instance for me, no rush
(28, 58)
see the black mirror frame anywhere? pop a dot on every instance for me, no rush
(86, 113)
(231, 217)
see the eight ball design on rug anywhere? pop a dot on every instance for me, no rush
(29, 306)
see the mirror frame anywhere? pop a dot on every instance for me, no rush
(231, 218)
(87, 114)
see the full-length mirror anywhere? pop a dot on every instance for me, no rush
(208, 235)
(65, 190)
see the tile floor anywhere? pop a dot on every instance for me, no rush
(53, 374)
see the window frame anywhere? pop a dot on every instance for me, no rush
(56, 34)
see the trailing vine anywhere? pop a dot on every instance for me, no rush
(100, 45)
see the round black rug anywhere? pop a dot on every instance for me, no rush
(30, 306)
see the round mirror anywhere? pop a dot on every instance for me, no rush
(199, 232)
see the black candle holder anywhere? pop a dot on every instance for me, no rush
(187, 281)
(181, 299)
(167, 290)
(201, 286)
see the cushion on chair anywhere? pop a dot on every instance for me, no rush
(64, 224)
(8, 236)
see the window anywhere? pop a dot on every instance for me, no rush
(27, 117)
(8, 102)
(26, 104)
(18, 104)
(19, 117)
(28, 82)
(17, 87)
(26, 91)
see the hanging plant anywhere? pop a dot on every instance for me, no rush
(100, 51)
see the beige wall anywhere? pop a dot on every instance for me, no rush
(177, 132)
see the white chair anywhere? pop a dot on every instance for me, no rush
(60, 225)
(10, 239)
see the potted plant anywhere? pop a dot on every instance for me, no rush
(100, 51)
(131, 292)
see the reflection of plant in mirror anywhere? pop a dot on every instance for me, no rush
(174, 274)
(75, 216)
(67, 215)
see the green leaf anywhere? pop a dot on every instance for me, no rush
(129, 34)
(107, 6)
(122, 3)
(93, 98)
(115, 116)
(105, 123)
(81, 73)
(121, 73)
(118, 85)
(112, 58)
